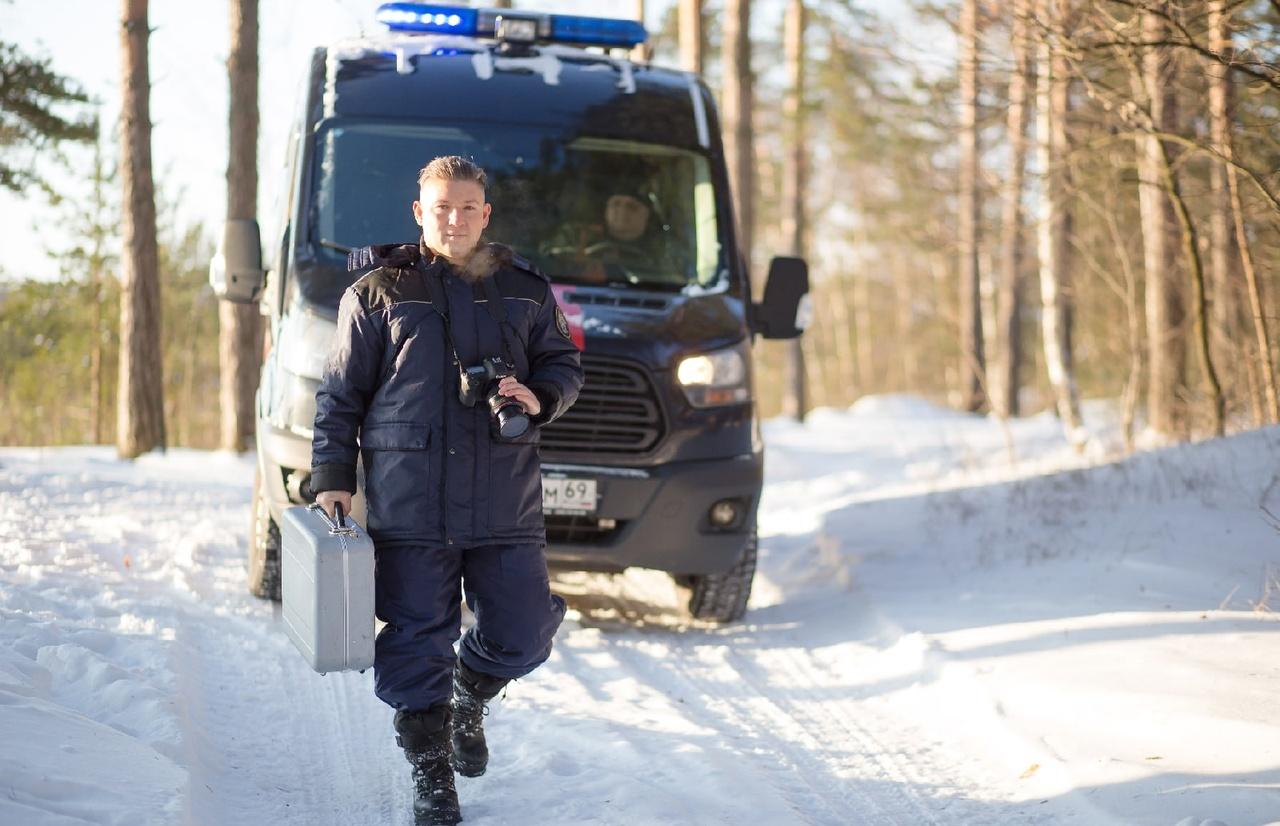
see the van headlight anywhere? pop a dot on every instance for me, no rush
(713, 379)
(304, 342)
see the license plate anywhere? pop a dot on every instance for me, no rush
(569, 495)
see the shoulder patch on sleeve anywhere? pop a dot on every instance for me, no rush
(562, 324)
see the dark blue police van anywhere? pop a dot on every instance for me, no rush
(610, 176)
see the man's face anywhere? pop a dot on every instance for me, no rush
(625, 217)
(452, 215)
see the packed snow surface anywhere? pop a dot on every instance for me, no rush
(953, 622)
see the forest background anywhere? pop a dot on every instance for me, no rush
(1079, 199)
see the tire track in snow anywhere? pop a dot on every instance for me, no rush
(897, 764)
(848, 762)
(662, 767)
(327, 759)
(268, 740)
(786, 752)
(226, 723)
(645, 623)
(776, 735)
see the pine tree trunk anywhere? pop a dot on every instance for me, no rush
(862, 332)
(1008, 307)
(842, 322)
(817, 386)
(904, 301)
(1191, 249)
(140, 405)
(735, 117)
(690, 34)
(795, 403)
(972, 360)
(97, 260)
(1131, 394)
(1220, 42)
(1224, 281)
(193, 417)
(240, 325)
(95, 362)
(1166, 352)
(1052, 101)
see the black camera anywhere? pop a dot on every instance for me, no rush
(481, 382)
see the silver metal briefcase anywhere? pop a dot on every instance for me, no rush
(327, 589)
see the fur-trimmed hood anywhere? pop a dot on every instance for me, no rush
(485, 261)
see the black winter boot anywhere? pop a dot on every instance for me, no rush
(424, 736)
(471, 692)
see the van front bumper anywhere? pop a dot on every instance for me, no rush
(657, 517)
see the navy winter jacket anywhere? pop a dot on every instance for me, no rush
(437, 472)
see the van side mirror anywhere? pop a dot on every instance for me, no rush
(785, 311)
(235, 273)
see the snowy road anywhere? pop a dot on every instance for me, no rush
(938, 635)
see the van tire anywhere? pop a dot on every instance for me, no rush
(264, 546)
(723, 597)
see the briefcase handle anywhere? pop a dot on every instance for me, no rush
(336, 528)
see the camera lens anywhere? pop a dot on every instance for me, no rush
(512, 420)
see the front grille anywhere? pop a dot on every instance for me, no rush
(616, 300)
(568, 530)
(616, 412)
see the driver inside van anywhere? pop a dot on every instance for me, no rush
(621, 252)
(626, 246)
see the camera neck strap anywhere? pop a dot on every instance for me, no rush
(493, 302)
(497, 308)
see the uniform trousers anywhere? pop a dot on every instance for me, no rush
(417, 596)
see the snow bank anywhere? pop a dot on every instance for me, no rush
(1099, 641)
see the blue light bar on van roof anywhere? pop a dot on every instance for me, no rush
(417, 17)
(597, 31)
(550, 28)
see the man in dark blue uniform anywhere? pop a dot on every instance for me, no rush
(449, 358)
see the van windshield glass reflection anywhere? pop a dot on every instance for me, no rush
(585, 210)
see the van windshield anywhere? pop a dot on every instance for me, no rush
(585, 210)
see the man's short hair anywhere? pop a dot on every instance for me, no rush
(452, 168)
